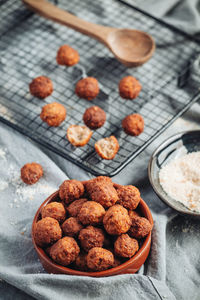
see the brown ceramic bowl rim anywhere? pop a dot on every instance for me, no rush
(109, 272)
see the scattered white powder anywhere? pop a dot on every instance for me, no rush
(2, 154)
(3, 185)
(180, 179)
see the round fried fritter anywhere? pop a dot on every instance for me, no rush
(81, 262)
(91, 213)
(67, 56)
(31, 173)
(133, 214)
(99, 259)
(53, 114)
(74, 208)
(129, 87)
(116, 220)
(71, 190)
(91, 237)
(94, 117)
(78, 135)
(87, 88)
(47, 231)
(71, 227)
(140, 227)
(133, 124)
(65, 251)
(129, 196)
(41, 87)
(107, 147)
(54, 210)
(102, 191)
(125, 246)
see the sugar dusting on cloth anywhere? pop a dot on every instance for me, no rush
(180, 179)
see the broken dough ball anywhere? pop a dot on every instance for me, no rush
(107, 147)
(78, 135)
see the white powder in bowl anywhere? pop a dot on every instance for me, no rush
(180, 179)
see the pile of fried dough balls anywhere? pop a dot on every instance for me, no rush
(92, 226)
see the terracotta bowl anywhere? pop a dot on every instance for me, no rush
(129, 267)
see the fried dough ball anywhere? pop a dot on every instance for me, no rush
(133, 124)
(102, 191)
(41, 87)
(53, 114)
(54, 210)
(94, 117)
(74, 208)
(65, 251)
(125, 246)
(107, 147)
(78, 135)
(99, 259)
(91, 237)
(129, 87)
(129, 196)
(91, 213)
(140, 227)
(116, 220)
(87, 88)
(98, 179)
(81, 262)
(31, 173)
(67, 56)
(71, 227)
(71, 190)
(47, 231)
(133, 214)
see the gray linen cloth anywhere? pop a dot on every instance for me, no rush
(172, 269)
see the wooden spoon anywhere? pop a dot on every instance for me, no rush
(130, 47)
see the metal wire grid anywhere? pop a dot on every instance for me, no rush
(28, 50)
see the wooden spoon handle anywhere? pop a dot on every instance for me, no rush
(54, 13)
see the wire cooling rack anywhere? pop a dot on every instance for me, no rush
(28, 46)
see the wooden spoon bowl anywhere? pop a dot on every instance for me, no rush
(131, 47)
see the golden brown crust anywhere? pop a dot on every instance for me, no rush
(67, 56)
(71, 227)
(125, 246)
(87, 88)
(54, 210)
(133, 214)
(31, 173)
(91, 213)
(102, 191)
(140, 227)
(65, 251)
(74, 208)
(53, 114)
(41, 87)
(129, 87)
(94, 117)
(47, 231)
(116, 220)
(91, 237)
(107, 147)
(78, 135)
(129, 196)
(71, 190)
(99, 259)
(133, 124)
